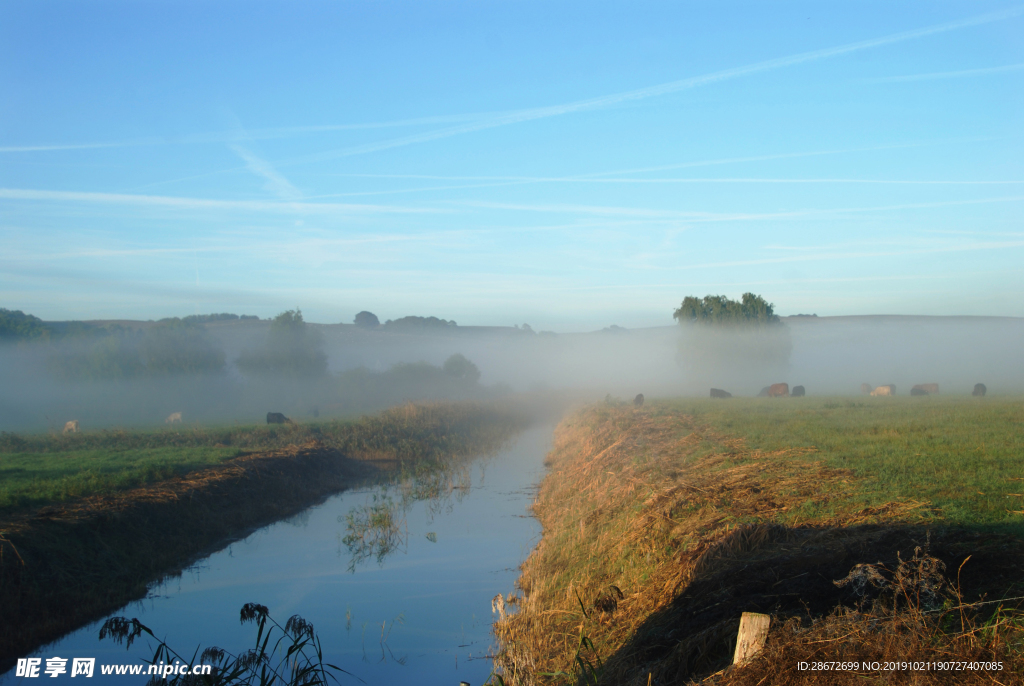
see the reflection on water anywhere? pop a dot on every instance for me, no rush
(397, 579)
(376, 529)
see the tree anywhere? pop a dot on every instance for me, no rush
(741, 336)
(366, 320)
(461, 368)
(751, 310)
(15, 325)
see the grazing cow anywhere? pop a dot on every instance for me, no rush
(979, 390)
(764, 392)
(778, 390)
(277, 418)
(639, 400)
(798, 391)
(884, 390)
(927, 388)
(175, 417)
(71, 427)
(865, 388)
(719, 393)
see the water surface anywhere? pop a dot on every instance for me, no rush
(413, 609)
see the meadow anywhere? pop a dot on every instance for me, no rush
(662, 524)
(44, 469)
(963, 456)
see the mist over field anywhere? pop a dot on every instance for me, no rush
(233, 371)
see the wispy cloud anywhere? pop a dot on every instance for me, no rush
(948, 74)
(73, 146)
(235, 135)
(203, 203)
(274, 180)
(699, 216)
(604, 101)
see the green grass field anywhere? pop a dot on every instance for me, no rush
(964, 456)
(49, 469)
(30, 480)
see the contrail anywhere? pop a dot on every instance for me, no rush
(661, 89)
(948, 74)
(276, 183)
(252, 134)
(202, 203)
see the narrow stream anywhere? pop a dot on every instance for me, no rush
(408, 603)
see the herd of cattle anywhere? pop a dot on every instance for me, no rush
(776, 390)
(781, 390)
(175, 418)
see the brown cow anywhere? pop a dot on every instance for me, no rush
(719, 393)
(778, 390)
(927, 388)
(71, 426)
(979, 390)
(884, 390)
(865, 388)
(639, 400)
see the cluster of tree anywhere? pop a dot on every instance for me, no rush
(722, 333)
(292, 348)
(15, 325)
(751, 310)
(171, 347)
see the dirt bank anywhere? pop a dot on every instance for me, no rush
(62, 567)
(659, 531)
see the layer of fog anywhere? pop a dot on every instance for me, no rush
(829, 356)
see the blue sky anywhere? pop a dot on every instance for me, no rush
(566, 164)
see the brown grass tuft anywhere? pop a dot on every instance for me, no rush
(692, 528)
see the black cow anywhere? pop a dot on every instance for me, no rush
(798, 391)
(764, 392)
(918, 391)
(719, 393)
(277, 418)
(979, 390)
(639, 400)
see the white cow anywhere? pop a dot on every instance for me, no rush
(884, 390)
(71, 426)
(176, 417)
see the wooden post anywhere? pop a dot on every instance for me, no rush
(753, 632)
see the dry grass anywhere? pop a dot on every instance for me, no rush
(659, 531)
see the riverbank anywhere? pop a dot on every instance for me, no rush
(662, 525)
(71, 562)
